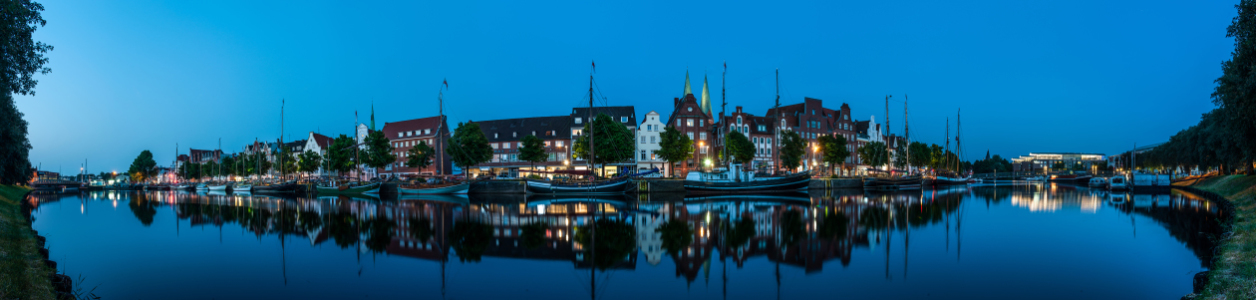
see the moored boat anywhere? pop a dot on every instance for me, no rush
(1117, 183)
(714, 183)
(242, 188)
(218, 187)
(1071, 178)
(892, 183)
(347, 189)
(609, 187)
(435, 189)
(1098, 182)
(276, 188)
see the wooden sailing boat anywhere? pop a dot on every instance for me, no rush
(444, 187)
(945, 178)
(700, 182)
(593, 187)
(892, 181)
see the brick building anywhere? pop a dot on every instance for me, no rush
(624, 115)
(756, 128)
(689, 119)
(405, 135)
(202, 156)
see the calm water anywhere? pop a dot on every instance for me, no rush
(1027, 242)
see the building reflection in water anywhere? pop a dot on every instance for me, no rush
(801, 230)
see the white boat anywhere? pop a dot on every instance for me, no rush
(220, 187)
(1098, 182)
(242, 188)
(1117, 183)
(201, 186)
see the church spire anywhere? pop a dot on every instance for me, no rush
(706, 97)
(372, 115)
(688, 91)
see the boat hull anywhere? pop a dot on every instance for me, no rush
(365, 189)
(607, 188)
(791, 183)
(276, 188)
(460, 188)
(893, 184)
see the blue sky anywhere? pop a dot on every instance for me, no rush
(1077, 76)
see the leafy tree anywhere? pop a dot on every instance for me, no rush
(420, 156)
(310, 161)
(873, 154)
(379, 150)
(740, 148)
(468, 146)
(936, 156)
(533, 150)
(287, 163)
(1235, 94)
(14, 147)
(143, 166)
(22, 56)
(255, 164)
(209, 169)
(919, 155)
(792, 149)
(340, 154)
(834, 150)
(614, 143)
(674, 146)
(900, 155)
(232, 166)
(188, 171)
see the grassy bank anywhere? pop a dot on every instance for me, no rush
(1233, 274)
(23, 274)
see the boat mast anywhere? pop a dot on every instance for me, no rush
(723, 106)
(590, 122)
(959, 148)
(947, 138)
(776, 114)
(282, 153)
(440, 158)
(906, 135)
(889, 162)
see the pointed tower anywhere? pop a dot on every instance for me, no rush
(706, 97)
(372, 116)
(688, 91)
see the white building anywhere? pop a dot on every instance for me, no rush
(648, 137)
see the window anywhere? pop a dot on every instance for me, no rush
(739, 120)
(703, 136)
(505, 145)
(691, 108)
(704, 150)
(547, 144)
(643, 155)
(427, 131)
(623, 119)
(690, 136)
(700, 123)
(643, 140)
(763, 128)
(494, 145)
(494, 135)
(401, 134)
(652, 140)
(534, 132)
(578, 120)
(519, 145)
(560, 143)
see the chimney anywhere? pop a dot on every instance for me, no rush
(675, 102)
(739, 109)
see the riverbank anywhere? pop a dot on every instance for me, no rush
(23, 273)
(1233, 272)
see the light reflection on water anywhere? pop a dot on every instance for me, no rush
(964, 242)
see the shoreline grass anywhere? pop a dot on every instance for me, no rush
(1233, 272)
(23, 274)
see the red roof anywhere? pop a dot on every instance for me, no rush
(420, 128)
(322, 140)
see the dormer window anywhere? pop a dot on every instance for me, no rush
(691, 108)
(578, 120)
(534, 132)
(623, 119)
(494, 135)
(514, 134)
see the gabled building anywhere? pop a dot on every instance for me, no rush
(405, 135)
(202, 156)
(691, 118)
(648, 137)
(811, 120)
(756, 128)
(318, 143)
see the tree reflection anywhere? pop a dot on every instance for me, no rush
(534, 235)
(143, 209)
(833, 225)
(421, 228)
(676, 235)
(343, 228)
(614, 241)
(739, 233)
(379, 233)
(470, 239)
(792, 230)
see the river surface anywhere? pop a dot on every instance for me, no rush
(1034, 241)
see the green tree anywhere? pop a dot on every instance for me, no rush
(21, 57)
(1235, 93)
(310, 161)
(740, 149)
(936, 156)
(792, 149)
(143, 166)
(674, 146)
(614, 142)
(900, 155)
(833, 148)
(873, 154)
(919, 155)
(468, 146)
(420, 156)
(232, 166)
(287, 163)
(209, 169)
(340, 154)
(533, 151)
(379, 150)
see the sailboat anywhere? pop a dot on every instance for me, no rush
(945, 178)
(892, 181)
(444, 186)
(702, 182)
(612, 186)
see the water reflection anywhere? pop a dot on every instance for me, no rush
(608, 234)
